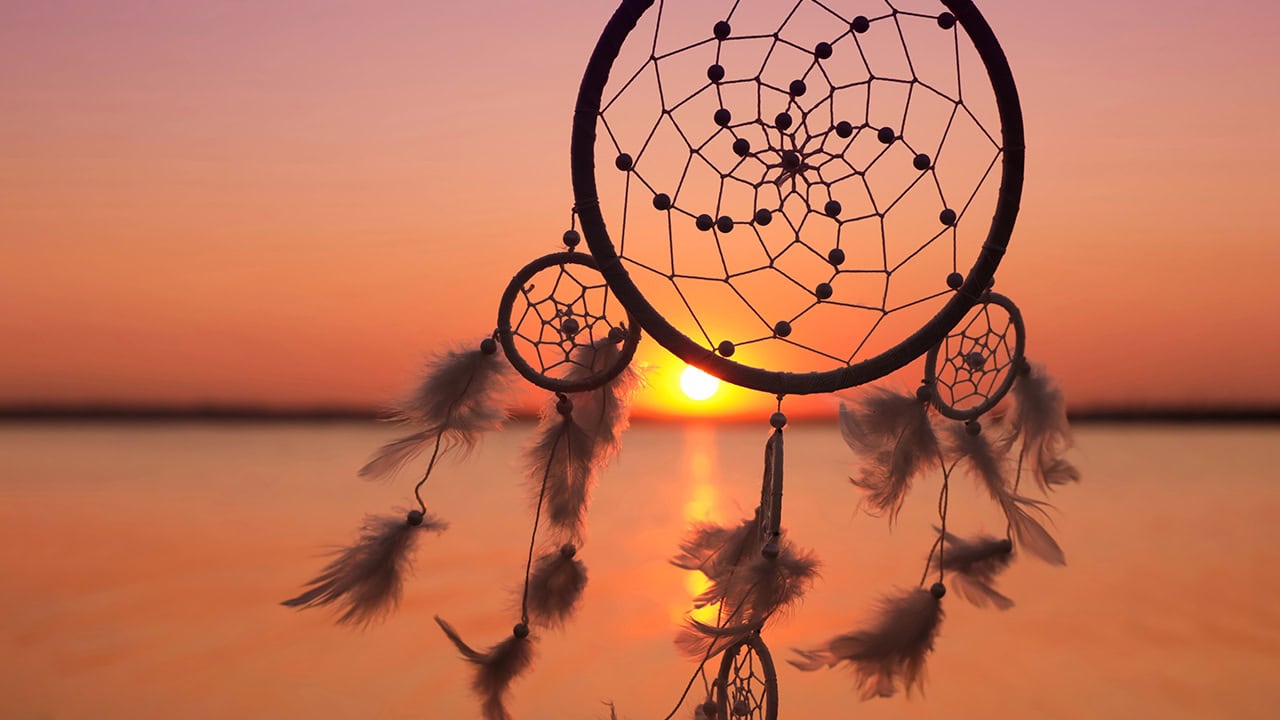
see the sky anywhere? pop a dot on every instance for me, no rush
(242, 203)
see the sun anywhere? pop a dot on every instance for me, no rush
(698, 385)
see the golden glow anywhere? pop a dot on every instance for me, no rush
(700, 466)
(698, 385)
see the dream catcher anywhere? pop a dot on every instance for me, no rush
(798, 197)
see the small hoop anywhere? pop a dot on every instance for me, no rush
(554, 338)
(974, 366)
(747, 686)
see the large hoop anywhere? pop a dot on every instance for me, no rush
(967, 288)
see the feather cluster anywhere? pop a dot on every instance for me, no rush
(570, 448)
(749, 586)
(971, 566)
(460, 398)
(1040, 419)
(496, 669)
(894, 436)
(717, 552)
(987, 462)
(364, 580)
(891, 652)
(555, 586)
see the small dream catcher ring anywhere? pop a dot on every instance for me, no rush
(976, 364)
(747, 686)
(798, 170)
(554, 316)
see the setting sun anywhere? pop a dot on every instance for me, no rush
(698, 385)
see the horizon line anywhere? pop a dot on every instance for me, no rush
(328, 413)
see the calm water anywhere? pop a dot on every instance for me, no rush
(142, 566)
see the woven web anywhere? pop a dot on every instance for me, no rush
(745, 687)
(976, 358)
(559, 316)
(798, 181)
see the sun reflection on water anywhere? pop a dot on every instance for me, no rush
(701, 469)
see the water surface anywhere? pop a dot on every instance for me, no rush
(143, 564)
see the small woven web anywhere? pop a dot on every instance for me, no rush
(746, 690)
(976, 357)
(798, 182)
(560, 315)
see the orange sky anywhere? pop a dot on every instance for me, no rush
(237, 203)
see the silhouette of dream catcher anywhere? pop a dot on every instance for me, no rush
(798, 197)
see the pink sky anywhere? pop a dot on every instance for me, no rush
(243, 202)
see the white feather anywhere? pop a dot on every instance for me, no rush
(365, 580)
(986, 462)
(1040, 419)
(462, 396)
(555, 586)
(891, 652)
(892, 434)
(604, 412)
(971, 566)
(496, 668)
(749, 587)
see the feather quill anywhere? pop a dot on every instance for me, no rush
(1040, 419)
(496, 668)
(459, 399)
(971, 566)
(364, 581)
(555, 586)
(893, 435)
(891, 652)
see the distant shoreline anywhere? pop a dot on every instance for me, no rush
(114, 413)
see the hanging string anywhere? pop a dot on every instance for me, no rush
(417, 489)
(770, 498)
(944, 498)
(561, 401)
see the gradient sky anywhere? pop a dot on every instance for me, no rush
(268, 202)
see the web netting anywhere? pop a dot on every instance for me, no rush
(747, 684)
(556, 318)
(797, 184)
(975, 365)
